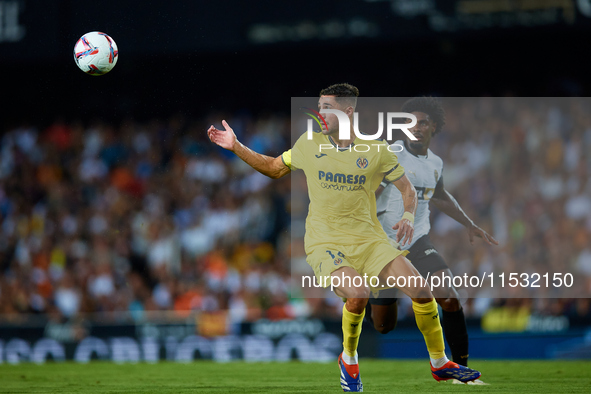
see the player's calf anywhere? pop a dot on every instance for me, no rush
(385, 328)
(453, 321)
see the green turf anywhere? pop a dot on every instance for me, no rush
(208, 377)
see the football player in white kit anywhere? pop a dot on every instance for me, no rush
(425, 171)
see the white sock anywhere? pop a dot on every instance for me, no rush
(436, 363)
(350, 360)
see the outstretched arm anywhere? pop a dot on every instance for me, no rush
(266, 165)
(405, 227)
(447, 204)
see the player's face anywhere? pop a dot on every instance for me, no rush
(423, 131)
(330, 102)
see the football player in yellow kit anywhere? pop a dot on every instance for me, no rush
(343, 235)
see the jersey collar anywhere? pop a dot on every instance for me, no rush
(341, 148)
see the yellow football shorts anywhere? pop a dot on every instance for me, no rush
(370, 259)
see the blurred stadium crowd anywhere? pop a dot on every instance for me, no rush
(521, 168)
(150, 216)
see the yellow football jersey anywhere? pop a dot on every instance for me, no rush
(341, 186)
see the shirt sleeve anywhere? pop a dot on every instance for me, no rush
(286, 157)
(390, 166)
(440, 181)
(294, 158)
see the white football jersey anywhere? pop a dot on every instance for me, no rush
(423, 172)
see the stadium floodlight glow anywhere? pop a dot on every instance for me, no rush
(345, 124)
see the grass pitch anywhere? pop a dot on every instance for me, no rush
(379, 376)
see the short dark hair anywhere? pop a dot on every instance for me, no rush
(429, 105)
(343, 92)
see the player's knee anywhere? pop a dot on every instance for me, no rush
(357, 300)
(358, 293)
(448, 299)
(386, 327)
(449, 304)
(422, 295)
(422, 300)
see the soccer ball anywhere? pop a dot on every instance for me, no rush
(96, 53)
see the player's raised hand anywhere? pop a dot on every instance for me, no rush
(404, 231)
(475, 231)
(224, 138)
